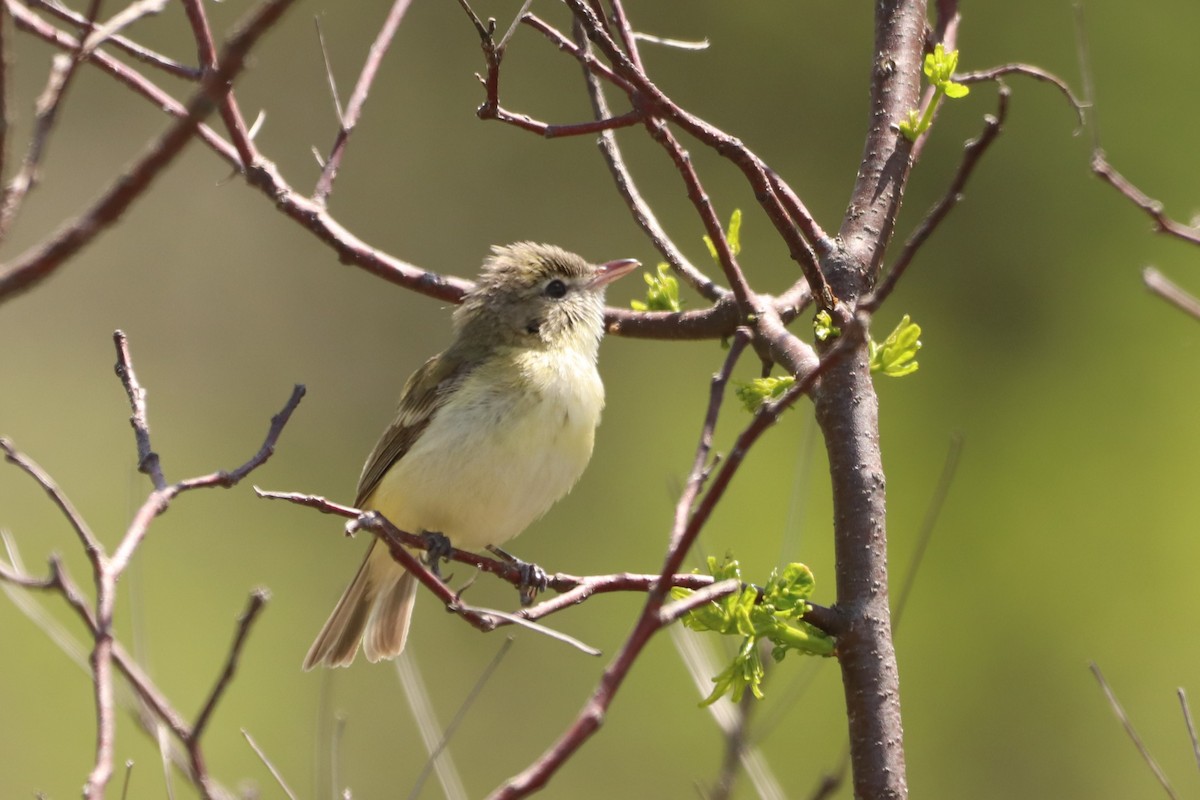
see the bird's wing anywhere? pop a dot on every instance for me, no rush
(426, 391)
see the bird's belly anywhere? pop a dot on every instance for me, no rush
(481, 473)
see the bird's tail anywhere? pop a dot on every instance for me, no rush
(375, 610)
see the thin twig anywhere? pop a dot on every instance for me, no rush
(1152, 208)
(62, 70)
(329, 77)
(1037, 73)
(43, 260)
(258, 600)
(940, 492)
(148, 461)
(275, 773)
(119, 21)
(159, 500)
(358, 98)
(643, 214)
(31, 23)
(4, 32)
(1172, 292)
(141, 53)
(1087, 76)
(678, 608)
(437, 741)
(43, 479)
(591, 716)
(1191, 727)
(210, 63)
(1127, 724)
(805, 238)
(973, 152)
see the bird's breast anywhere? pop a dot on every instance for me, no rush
(513, 439)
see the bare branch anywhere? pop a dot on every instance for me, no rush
(35, 265)
(78, 524)
(4, 32)
(209, 64)
(31, 23)
(119, 21)
(1187, 719)
(159, 500)
(1127, 724)
(677, 609)
(258, 600)
(973, 153)
(1037, 73)
(699, 471)
(940, 492)
(62, 69)
(333, 89)
(436, 741)
(801, 233)
(358, 99)
(275, 773)
(148, 460)
(1153, 208)
(643, 214)
(143, 54)
(1172, 292)
(591, 716)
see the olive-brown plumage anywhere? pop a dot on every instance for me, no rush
(488, 435)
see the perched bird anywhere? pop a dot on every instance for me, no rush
(487, 436)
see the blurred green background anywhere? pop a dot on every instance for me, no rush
(1065, 539)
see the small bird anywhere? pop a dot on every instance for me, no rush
(488, 435)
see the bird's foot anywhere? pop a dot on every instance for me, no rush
(533, 578)
(437, 550)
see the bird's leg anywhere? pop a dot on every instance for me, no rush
(437, 550)
(533, 577)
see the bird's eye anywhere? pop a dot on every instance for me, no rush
(556, 289)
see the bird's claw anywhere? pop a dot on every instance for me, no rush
(533, 578)
(437, 550)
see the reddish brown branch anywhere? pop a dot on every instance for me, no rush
(493, 55)
(348, 120)
(573, 589)
(799, 229)
(29, 22)
(643, 214)
(62, 70)
(1152, 208)
(91, 544)
(141, 53)
(255, 605)
(206, 49)
(683, 535)
(973, 152)
(1029, 71)
(106, 572)
(43, 260)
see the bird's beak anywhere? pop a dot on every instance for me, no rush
(609, 272)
